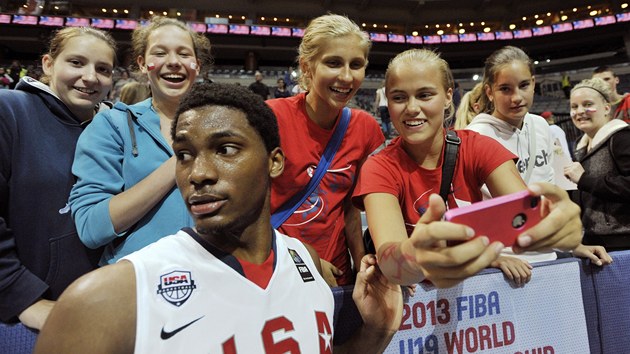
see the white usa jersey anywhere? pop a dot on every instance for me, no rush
(190, 301)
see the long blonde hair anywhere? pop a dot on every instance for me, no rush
(134, 92)
(466, 110)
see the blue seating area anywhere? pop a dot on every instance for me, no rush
(556, 105)
(364, 99)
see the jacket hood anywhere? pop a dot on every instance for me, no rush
(58, 108)
(133, 113)
(602, 134)
(500, 125)
(137, 109)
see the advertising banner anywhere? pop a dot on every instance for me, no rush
(488, 314)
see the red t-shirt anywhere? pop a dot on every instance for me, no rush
(393, 171)
(319, 222)
(621, 109)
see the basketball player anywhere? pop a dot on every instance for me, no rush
(233, 284)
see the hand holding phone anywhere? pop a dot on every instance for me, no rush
(500, 219)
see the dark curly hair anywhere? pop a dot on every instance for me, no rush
(258, 114)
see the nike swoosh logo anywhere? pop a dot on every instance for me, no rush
(166, 335)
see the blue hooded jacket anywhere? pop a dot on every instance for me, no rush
(117, 150)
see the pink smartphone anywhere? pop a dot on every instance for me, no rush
(502, 218)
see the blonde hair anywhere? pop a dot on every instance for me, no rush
(201, 43)
(415, 56)
(134, 92)
(595, 84)
(494, 63)
(322, 29)
(61, 37)
(466, 112)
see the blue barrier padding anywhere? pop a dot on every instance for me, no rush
(589, 300)
(346, 318)
(16, 339)
(612, 289)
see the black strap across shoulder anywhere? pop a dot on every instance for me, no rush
(451, 150)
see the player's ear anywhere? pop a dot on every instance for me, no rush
(276, 162)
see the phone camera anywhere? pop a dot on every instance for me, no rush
(519, 220)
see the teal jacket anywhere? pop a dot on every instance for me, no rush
(109, 160)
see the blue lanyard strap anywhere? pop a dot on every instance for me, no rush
(287, 209)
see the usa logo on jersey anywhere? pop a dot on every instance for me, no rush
(176, 287)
